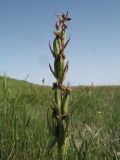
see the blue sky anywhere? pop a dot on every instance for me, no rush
(26, 26)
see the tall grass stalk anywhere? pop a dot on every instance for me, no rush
(59, 125)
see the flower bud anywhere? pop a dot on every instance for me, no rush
(65, 102)
(56, 47)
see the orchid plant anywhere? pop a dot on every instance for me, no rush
(59, 124)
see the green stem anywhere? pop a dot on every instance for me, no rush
(62, 150)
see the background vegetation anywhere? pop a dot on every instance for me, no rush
(24, 134)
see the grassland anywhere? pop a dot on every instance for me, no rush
(24, 134)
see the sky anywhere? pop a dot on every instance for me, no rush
(26, 26)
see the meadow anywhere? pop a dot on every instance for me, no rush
(24, 133)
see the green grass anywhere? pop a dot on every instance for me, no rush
(24, 134)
